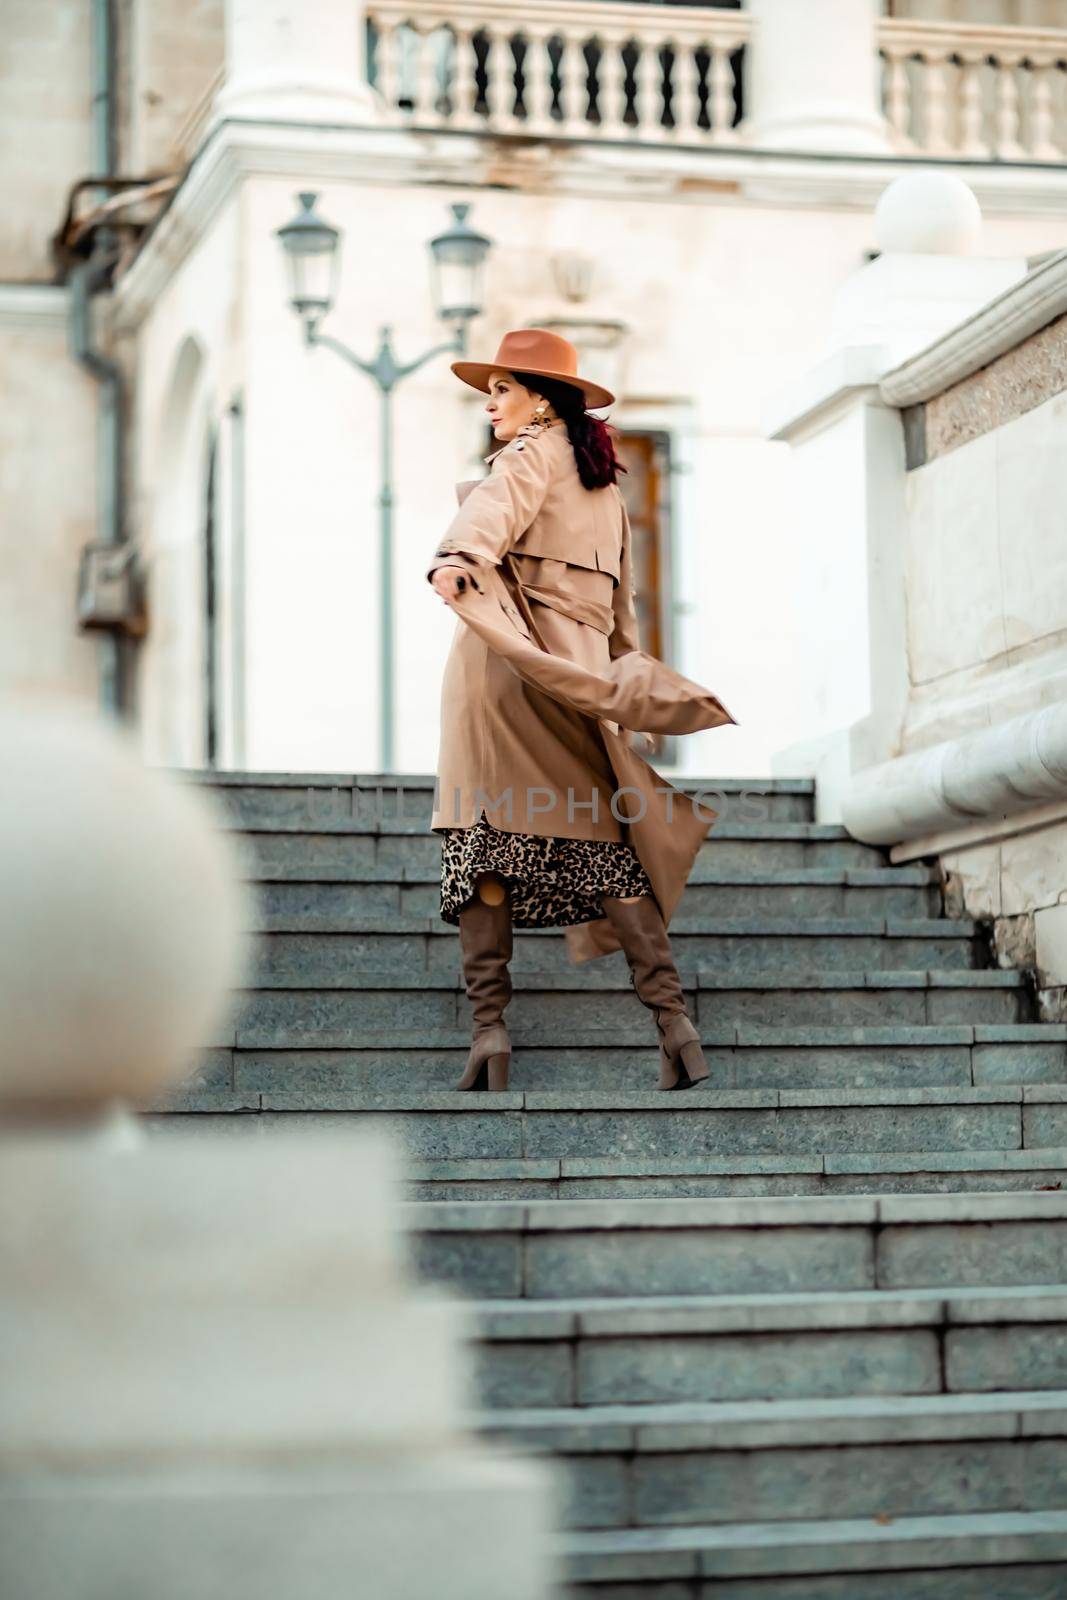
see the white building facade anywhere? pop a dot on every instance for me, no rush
(687, 192)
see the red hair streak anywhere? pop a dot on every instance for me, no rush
(592, 439)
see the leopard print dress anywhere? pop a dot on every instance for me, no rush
(554, 883)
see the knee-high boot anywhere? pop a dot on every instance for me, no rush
(640, 929)
(485, 934)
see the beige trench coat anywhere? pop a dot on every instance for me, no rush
(545, 680)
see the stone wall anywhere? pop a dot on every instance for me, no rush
(48, 490)
(986, 582)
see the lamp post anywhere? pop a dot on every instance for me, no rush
(458, 256)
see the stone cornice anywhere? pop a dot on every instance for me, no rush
(606, 169)
(33, 305)
(1004, 323)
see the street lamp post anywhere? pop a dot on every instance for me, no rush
(458, 256)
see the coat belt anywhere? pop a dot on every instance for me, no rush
(597, 616)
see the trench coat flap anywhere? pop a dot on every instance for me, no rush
(667, 828)
(608, 556)
(464, 487)
(554, 539)
(635, 692)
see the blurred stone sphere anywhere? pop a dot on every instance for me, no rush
(928, 213)
(125, 922)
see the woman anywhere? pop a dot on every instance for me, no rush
(548, 817)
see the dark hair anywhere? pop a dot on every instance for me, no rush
(591, 439)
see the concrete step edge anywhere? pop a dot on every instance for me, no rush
(768, 1549)
(591, 1216)
(609, 978)
(745, 1035)
(695, 1101)
(655, 1316)
(278, 778)
(910, 877)
(891, 927)
(547, 1169)
(773, 1424)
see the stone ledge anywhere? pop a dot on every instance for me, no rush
(1001, 325)
(772, 1548)
(707, 927)
(776, 1424)
(650, 1316)
(695, 1102)
(611, 977)
(776, 1211)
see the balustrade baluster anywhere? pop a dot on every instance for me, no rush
(573, 91)
(898, 98)
(648, 88)
(428, 41)
(537, 90)
(611, 84)
(1042, 142)
(972, 141)
(1008, 122)
(685, 90)
(385, 57)
(499, 71)
(462, 90)
(935, 104)
(721, 95)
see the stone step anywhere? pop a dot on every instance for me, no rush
(553, 1250)
(333, 853)
(313, 801)
(599, 996)
(798, 1460)
(702, 1122)
(699, 1177)
(730, 945)
(1012, 1555)
(311, 903)
(659, 1350)
(341, 865)
(330, 1043)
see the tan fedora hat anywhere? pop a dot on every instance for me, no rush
(534, 350)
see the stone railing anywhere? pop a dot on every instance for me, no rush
(672, 74)
(631, 71)
(975, 92)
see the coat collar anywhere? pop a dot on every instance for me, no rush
(526, 431)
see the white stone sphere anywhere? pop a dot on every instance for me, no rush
(928, 213)
(124, 927)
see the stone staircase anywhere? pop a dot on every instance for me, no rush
(801, 1335)
(787, 1398)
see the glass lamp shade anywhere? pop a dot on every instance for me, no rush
(458, 260)
(313, 252)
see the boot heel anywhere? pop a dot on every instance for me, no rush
(489, 1047)
(694, 1069)
(668, 1071)
(498, 1072)
(681, 1059)
(474, 1080)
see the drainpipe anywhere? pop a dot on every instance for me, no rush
(87, 279)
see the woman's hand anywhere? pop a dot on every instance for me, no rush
(450, 581)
